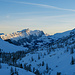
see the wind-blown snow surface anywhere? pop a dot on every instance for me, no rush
(7, 47)
(5, 70)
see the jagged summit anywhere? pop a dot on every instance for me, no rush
(22, 34)
(24, 30)
(1, 33)
(30, 32)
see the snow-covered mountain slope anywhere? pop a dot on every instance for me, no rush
(55, 59)
(7, 47)
(6, 70)
(64, 34)
(57, 62)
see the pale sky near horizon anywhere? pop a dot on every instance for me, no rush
(51, 16)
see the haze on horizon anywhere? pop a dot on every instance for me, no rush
(51, 16)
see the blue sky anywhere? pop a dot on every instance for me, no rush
(51, 16)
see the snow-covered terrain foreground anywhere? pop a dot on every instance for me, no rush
(57, 62)
(6, 70)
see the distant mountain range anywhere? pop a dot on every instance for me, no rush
(25, 38)
(34, 39)
(26, 33)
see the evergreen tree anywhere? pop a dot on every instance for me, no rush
(21, 66)
(11, 71)
(72, 61)
(16, 72)
(58, 73)
(32, 59)
(72, 51)
(42, 63)
(25, 66)
(33, 69)
(38, 57)
(37, 72)
(30, 67)
(46, 66)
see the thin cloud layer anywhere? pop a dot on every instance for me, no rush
(45, 6)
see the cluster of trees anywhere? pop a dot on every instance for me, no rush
(12, 72)
(28, 68)
(11, 58)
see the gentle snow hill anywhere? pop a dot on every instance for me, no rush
(7, 47)
(61, 35)
(5, 70)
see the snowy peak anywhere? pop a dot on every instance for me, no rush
(25, 33)
(24, 30)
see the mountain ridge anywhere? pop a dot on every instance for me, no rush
(21, 34)
(34, 39)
